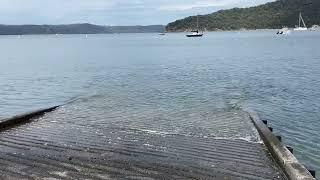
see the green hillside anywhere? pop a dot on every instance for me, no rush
(272, 15)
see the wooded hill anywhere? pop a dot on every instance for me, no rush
(271, 15)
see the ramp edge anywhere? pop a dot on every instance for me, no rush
(23, 118)
(285, 159)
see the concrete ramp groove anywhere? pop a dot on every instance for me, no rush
(50, 150)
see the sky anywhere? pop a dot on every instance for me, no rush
(110, 12)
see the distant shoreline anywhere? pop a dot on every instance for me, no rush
(171, 32)
(76, 29)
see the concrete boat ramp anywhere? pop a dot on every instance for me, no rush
(45, 148)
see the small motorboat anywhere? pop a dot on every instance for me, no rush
(284, 31)
(315, 28)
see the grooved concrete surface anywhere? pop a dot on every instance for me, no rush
(46, 149)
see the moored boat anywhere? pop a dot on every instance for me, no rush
(196, 33)
(299, 27)
(315, 28)
(284, 31)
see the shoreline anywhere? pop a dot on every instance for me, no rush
(169, 32)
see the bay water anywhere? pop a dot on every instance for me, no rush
(173, 80)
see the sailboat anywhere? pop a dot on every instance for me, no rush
(163, 32)
(196, 33)
(299, 28)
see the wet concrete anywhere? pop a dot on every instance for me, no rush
(49, 149)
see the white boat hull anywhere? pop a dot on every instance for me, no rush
(194, 35)
(300, 29)
(284, 31)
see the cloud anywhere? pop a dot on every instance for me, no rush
(113, 12)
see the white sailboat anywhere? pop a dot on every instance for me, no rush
(299, 28)
(163, 32)
(196, 33)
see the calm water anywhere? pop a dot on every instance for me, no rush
(170, 81)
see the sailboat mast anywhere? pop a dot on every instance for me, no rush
(300, 28)
(197, 22)
(304, 24)
(300, 19)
